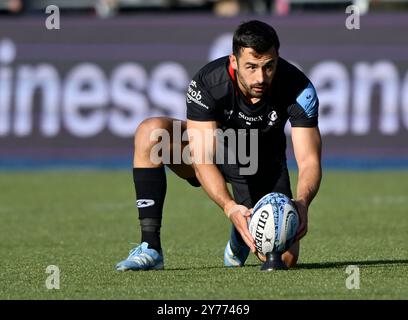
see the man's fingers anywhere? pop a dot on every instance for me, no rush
(249, 243)
(242, 227)
(248, 239)
(301, 232)
(240, 221)
(245, 213)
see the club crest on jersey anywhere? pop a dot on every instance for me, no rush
(228, 114)
(273, 117)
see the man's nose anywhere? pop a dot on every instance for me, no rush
(260, 76)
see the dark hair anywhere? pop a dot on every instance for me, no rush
(256, 35)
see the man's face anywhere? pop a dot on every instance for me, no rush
(254, 71)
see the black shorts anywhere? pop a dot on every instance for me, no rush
(247, 190)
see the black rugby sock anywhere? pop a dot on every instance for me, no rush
(150, 185)
(151, 232)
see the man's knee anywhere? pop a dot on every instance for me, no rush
(150, 132)
(151, 128)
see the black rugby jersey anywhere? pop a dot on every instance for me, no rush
(213, 94)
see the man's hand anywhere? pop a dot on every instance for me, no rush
(302, 210)
(239, 216)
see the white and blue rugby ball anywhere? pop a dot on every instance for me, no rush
(274, 222)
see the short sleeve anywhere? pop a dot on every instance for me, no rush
(200, 104)
(305, 109)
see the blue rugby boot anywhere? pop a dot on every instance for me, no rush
(142, 258)
(236, 252)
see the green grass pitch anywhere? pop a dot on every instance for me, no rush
(85, 221)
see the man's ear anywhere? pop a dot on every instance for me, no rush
(233, 62)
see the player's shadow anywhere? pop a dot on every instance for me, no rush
(322, 265)
(340, 264)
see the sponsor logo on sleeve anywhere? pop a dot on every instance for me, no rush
(307, 99)
(194, 95)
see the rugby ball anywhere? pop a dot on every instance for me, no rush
(273, 223)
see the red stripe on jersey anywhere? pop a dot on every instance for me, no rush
(231, 72)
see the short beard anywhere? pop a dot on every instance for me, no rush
(248, 89)
(256, 94)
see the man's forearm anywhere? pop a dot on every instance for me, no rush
(202, 147)
(308, 184)
(214, 184)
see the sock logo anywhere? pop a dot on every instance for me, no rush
(143, 203)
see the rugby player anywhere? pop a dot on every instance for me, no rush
(251, 89)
